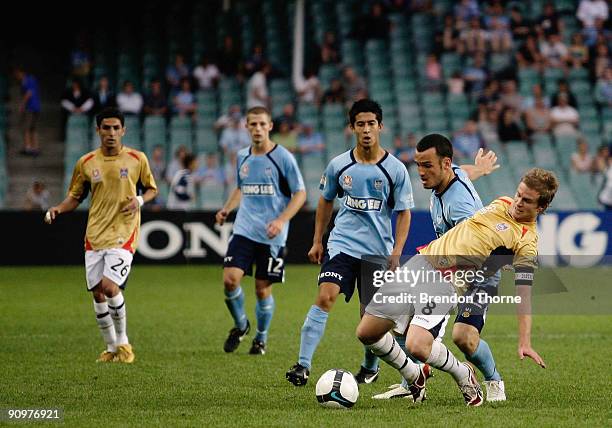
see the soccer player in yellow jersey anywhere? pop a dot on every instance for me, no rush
(113, 173)
(506, 230)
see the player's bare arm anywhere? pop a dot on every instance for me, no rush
(325, 209)
(484, 164)
(295, 204)
(67, 205)
(232, 202)
(524, 326)
(402, 228)
(133, 203)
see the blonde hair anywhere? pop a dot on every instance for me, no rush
(544, 182)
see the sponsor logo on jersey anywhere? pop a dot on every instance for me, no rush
(123, 173)
(244, 171)
(378, 183)
(347, 182)
(268, 171)
(258, 189)
(330, 274)
(363, 204)
(500, 227)
(96, 176)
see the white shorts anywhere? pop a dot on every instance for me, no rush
(404, 312)
(112, 263)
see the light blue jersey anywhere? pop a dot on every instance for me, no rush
(266, 182)
(458, 202)
(368, 195)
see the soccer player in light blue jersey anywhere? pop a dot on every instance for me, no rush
(270, 191)
(370, 184)
(453, 200)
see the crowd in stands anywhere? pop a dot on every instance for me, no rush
(503, 111)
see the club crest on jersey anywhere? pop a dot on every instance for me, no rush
(323, 182)
(268, 172)
(347, 182)
(244, 171)
(96, 176)
(500, 227)
(123, 173)
(378, 183)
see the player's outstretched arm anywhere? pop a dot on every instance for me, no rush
(325, 209)
(295, 203)
(483, 165)
(402, 228)
(232, 202)
(67, 205)
(524, 326)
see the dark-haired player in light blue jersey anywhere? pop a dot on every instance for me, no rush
(453, 200)
(270, 191)
(370, 184)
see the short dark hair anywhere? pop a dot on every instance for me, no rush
(189, 157)
(108, 113)
(365, 105)
(259, 110)
(443, 146)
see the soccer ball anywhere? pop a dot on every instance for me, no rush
(337, 389)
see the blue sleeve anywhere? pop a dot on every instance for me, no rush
(293, 174)
(403, 190)
(462, 209)
(239, 159)
(328, 185)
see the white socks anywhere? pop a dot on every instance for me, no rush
(116, 306)
(443, 359)
(105, 324)
(388, 350)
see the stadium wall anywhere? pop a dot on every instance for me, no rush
(575, 238)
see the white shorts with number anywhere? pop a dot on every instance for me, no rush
(112, 263)
(430, 316)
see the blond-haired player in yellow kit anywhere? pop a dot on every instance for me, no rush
(113, 173)
(505, 228)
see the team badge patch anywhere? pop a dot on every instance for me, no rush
(123, 173)
(500, 227)
(378, 183)
(244, 171)
(347, 182)
(268, 172)
(96, 176)
(323, 182)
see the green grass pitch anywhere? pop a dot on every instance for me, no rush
(177, 322)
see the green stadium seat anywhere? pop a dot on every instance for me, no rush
(206, 140)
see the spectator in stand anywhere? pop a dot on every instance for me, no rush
(155, 102)
(603, 89)
(600, 161)
(529, 55)
(519, 25)
(467, 141)
(256, 60)
(308, 89)
(511, 98)
(182, 192)
(596, 34)
(590, 10)
(582, 161)
(175, 72)
(310, 143)
(530, 100)
(184, 102)
(563, 88)
(335, 93)
(80, 59)
(450, 34)
(257, 87)
(373, 25)
(405, 150)
(230, 57)
(554, 52)
(288, 116)
(76, 99)
(29, 108)
(129, 101)
(330, 54)
(234, 137)
(475, 75)
(565, 118)
(508, 128)
(433, 73)
(488, 118)
(538, 119)
(455, 83)
(549, 22)
(578, 52)
(354, 85)
(490, 96)
(601, 61)
(157, 163)
(605, 194)
(286, 137)
(499, 36)
(176, 163)
(472, 39)
(37, 197)
(211, 174)
(103, 96)
(207, 74)
(226, 119)
(466, 10)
